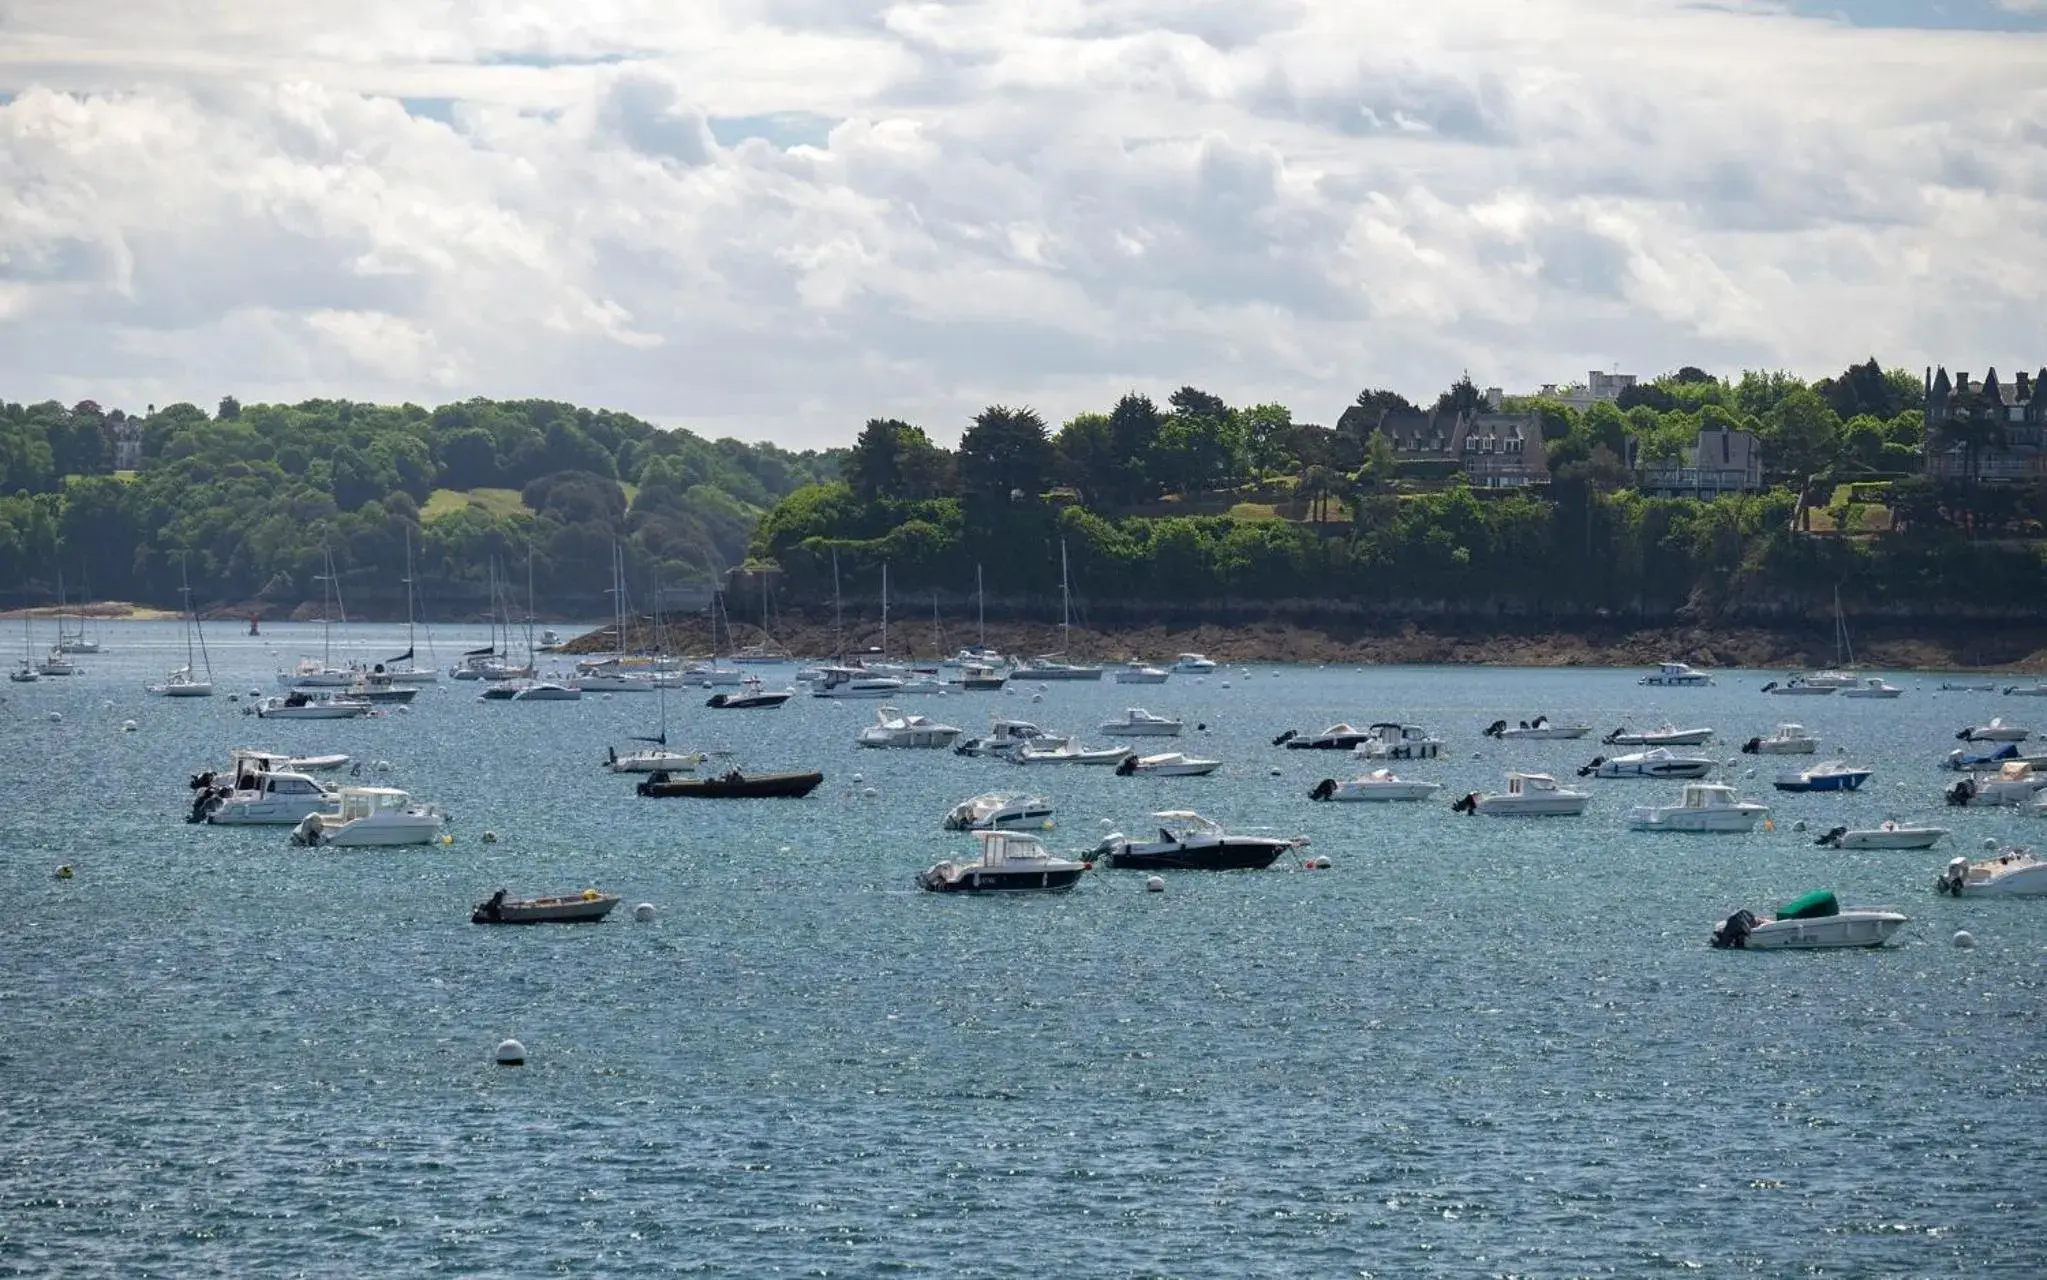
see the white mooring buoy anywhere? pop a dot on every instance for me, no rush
(1964, 939)
(510, 1053)
(644, 913)
(1156, 884)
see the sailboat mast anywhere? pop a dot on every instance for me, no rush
(980, 609)
(1065, 602)
(408, 588)
(838, 618)
(937, 637)
(191, 619)
(884, 611)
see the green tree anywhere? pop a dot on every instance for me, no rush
(1801, 435)
(1087, 456)
(1006, 455)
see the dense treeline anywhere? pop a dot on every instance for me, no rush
(255, 492)
(1281, 511)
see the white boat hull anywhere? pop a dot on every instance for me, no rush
(279, 811)
(1850, 928)
(1697, 821)
(1178, 768)
(1901, 838)
(1544, 735)
(1141, 677)
(1124, 729)
(381, 831)
(1532, 806)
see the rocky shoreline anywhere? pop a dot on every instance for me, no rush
(1920, 647)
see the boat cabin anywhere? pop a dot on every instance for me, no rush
(361, 802)
(1178, 826)
(1530, 783)
(1708, 795)
(1010, 847)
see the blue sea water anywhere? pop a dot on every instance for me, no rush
(1475, 1047)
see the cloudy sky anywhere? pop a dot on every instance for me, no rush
(776, 218)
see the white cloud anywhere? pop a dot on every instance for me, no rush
(778, 217)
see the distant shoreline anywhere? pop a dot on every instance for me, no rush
(1949, 646)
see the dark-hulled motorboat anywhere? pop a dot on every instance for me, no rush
(733, 785)
(1189, 842)
(754, 699)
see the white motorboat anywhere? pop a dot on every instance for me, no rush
(1969, 686)
(1139, 723)
(1873, 687)
(1168, 764)
(615, 679)
(893, 728)
(982, 677)
(1656, 762)
(978, 655)
(921, 684)
(1010, 862)
(1814, 922)
(549, 640)
(1378, 785)
(1960, 761)
(1000, 811)
(1784, 740)
(1388, 741)
(1800, 686)
(710, 675)
(1006, 737)
(1704, 807)
(1337, 737)
(1192, 664)
(1676, 675)
(2038, 689)
(371, 817)
(243, 761)
(2014, 784)
(547, 691)
(1139, 673)
(1528, 795)
(2016, 872)
(1888, 834)
(311, 673)
(853, 682)
(1536, 730)
(1996, 731)
(1052, 666)
(1069, 751)
(262, 798)
(1667, 735)
(1834, 676)
(300, 705)
(1189, 842)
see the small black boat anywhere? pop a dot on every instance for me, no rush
(732, 785)
(1337, 737)
(748, 701)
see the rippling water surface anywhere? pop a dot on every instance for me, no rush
(1475, 1047)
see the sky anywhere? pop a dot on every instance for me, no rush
(775, 219)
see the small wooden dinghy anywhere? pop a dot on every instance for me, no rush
(586, 907)
(733, 785)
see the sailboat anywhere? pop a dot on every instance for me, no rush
(766, 651)
(1839, 676)
(709, 673)
(321, 673)
(55, 663)
(72, 641)
(1054, 666)
(655, 757)
(405, 668)
(979, 655)
(26, 672)
(185, 682)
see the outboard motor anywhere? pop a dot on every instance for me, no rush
(1752, 746)
(1323, 789)
(1951, 880)
(1468, 805)
(1286, 737)
(1734, 930)
(1966, 735)
(1126, 767)
(1614, 737)
(202, 781)
(1592, 768)
(716, 700)
(1111, 845)
(1493, 730)
(308, 831)
(1962, 792)
(1540, 722)
(1769, 686)
(1832, 838)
